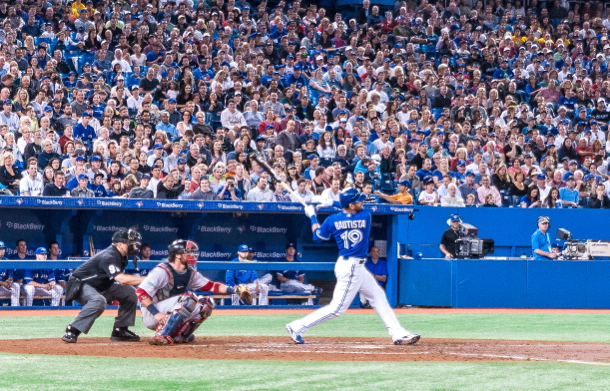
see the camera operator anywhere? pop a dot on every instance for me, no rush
(229, 192)
(541, 242)
(449, 237)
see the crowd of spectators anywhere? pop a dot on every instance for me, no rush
(472, 103)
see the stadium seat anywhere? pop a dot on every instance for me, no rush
(430, 51)
(437, 113)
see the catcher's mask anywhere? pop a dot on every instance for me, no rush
(131, 237)
(189, 248)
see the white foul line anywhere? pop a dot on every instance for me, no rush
(529, 358)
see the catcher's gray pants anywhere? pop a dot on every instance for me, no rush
(262, 295)
(166, 306)
(13, 293)
(94, 304)
(31, 291)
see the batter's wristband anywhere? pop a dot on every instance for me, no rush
(230, 290)
(314, 220)
(152, 309)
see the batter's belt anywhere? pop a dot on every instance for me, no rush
(356, 260)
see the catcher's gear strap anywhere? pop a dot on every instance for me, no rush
(213, 286)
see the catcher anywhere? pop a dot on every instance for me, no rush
(168, 302)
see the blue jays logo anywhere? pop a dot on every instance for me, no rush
(80, 202)
(200, 205)
(19, 201)
(374, 209)
(260, 206)
(139, 204)
(241, 229)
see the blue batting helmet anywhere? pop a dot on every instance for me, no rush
(350, 196)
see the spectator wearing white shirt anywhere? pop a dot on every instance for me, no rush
(332, 194)
(261, 193)
(118, 59)
(382, 141)
(302, 192)
(31, 184)
(428, 196)
(134, 102)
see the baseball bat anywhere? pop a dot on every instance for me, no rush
(277, 179)
(91, 246)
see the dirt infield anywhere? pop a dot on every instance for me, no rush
(325, 349)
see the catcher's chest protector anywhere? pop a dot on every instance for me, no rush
(177, 284)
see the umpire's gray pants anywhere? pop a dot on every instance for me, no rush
(94, 304)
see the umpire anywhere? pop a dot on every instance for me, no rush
(101, 280)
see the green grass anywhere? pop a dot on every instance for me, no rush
(548, 327)
(37, 372)
(95, 373)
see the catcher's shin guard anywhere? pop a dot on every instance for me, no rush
(185, 332)
(173, 322)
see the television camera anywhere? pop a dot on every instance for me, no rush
(471, 247)
(582, 249)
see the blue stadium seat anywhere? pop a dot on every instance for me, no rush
(430, 51)
(437, 113)
(516, 200)
(584, 202)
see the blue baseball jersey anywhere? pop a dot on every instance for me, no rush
(5, 274)
(236, 277)
(351, 232)
(41, 276)
(291, 274)
(379, 269)
(62, 274)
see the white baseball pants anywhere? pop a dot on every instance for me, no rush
(262, 299)
(13, 293)
(54, 292)
(353, 278)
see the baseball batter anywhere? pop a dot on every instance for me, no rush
(351, 230)
(8, 287)
(168, 303)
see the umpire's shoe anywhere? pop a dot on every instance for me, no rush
(71, 334)
(122, 334)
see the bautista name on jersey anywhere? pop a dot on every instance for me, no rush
(350, 224)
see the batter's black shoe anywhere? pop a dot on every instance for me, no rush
(71, 335)
(122, 334)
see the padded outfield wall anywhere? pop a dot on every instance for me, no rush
(220, 227)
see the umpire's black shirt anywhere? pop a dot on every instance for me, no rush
(99, 271)
(448, 240)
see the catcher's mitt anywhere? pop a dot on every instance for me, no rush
(244, 293)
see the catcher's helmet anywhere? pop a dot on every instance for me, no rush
(187, 247)
(350, 196)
